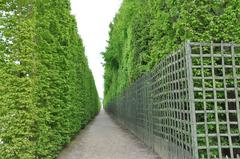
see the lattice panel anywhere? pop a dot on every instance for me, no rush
(171, 109)
(187, 107)
(216, 78)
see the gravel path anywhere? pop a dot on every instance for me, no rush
(104, 139)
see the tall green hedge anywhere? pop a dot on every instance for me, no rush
(47, 91)
(145, 30)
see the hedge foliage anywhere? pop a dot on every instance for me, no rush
(144, 31)
(47, 91)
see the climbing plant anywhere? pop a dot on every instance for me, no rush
(145, 31)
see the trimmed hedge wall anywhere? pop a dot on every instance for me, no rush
(144, 31)
(47, 91)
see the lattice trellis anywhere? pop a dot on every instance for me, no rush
(216, 77)
(187, 107)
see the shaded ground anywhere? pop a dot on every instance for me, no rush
(104, 139)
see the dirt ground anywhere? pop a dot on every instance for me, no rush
(104, 139)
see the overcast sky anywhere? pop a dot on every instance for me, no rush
(93, 18)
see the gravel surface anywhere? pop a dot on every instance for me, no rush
(104, 139)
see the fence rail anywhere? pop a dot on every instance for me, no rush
(187, 107)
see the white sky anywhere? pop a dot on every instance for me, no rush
(93, 18)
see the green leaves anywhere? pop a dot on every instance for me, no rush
(145, 31)
(47, 91)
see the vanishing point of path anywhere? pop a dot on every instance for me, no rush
(104, 139)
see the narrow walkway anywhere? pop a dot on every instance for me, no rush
(104, 139)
